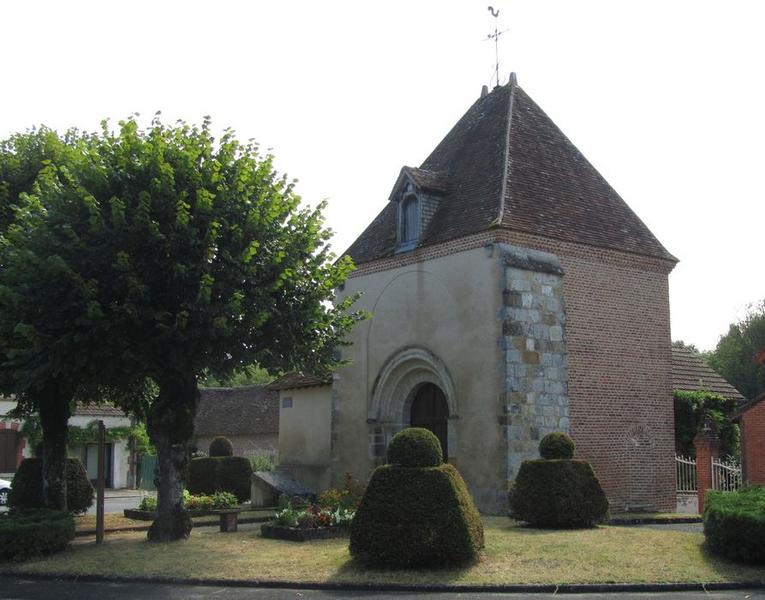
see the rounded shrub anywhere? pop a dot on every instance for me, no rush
(415, 447)
(26, 487)
(556, 445)
(231, 474)
(734, 524)
(221, 446)
(34, 532)
(558, 493)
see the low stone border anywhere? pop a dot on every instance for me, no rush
(245, 521)
(538, 588)
(292, 534)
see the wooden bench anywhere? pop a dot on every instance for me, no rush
(229, 519)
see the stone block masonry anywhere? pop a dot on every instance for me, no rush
(535, 400)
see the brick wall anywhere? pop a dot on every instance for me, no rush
(753, 443)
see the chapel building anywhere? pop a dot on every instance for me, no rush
(513, 293)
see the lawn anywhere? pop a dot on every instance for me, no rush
(513, 555)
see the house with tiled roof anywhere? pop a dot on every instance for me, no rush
(691, 373)
(513, 293)
(247, 415)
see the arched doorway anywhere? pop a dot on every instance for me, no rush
(430, 410)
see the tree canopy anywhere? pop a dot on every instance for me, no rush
(733, 358)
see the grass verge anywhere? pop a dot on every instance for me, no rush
(513, 555)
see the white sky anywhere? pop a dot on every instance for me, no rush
(664, 97)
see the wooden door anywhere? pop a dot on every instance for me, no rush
(429, 410)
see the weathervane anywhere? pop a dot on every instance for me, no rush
(495, 36)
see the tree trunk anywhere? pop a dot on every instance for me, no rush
(55, 410)
(171, 424)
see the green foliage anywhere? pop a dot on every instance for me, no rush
(221, 446)
(557, 494)
(556, 445)
(26, 487)
(693, 409)
(34, 532)
(734, 354)
(226, 473)
(346, 498)
(248, 375)
(262, 462)
(411, 517)
(148, 503)
(415, 447)
(734, 524)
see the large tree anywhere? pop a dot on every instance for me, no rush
(197, 259)
(733, 358)
(37, 364)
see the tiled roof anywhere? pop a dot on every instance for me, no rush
(98, 410)
(748, 406)
(506, 164)
(243, 410)
(292, 381)
(691, 373)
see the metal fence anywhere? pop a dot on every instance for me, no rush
(685, 469)
(725, 476)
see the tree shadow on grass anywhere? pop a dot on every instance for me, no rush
(731, 570)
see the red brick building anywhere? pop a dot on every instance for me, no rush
(751, 418)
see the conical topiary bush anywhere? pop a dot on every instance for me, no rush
(416, 510)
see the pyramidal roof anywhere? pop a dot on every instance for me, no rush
(506, 164)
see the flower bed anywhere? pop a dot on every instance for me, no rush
(293, 534)
(196, 505)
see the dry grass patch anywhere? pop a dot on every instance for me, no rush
(513, 555)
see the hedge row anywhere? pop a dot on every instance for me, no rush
(734, 524)
(33, 533)
(221, 474)
(26, 488)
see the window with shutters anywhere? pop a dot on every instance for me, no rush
(409, 222)
(8, 443)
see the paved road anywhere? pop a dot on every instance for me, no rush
(117, 504)
(18, 589)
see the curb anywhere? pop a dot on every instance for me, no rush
(573, 588)
(654, 521)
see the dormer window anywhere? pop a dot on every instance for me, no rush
(410, 220)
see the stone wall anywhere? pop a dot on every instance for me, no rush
(533, 335)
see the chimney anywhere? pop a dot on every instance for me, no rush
(513, 79)
(484, 91)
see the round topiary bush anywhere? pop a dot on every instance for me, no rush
(556, 445)
(34, 532)
(415, 447)
(26, 488)
(558, 493)
(221, 446)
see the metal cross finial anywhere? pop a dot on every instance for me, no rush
(495, 36)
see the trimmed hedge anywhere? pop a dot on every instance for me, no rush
(26, 487)
(411, 517)
(221, 446)
(734, 524)
(33, 533)
(556, 445)
(558, 493)
(415, 447)
(221, 474)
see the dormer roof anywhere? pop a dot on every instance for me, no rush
(505, 164)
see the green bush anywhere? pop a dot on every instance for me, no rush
(558, 493)
(556, 445)
(148, 503)
(34, 532)
(415, 447)
(412, 517)
(224, 474)
(262, 462)
(221, 446)
(734, 524)
(26, 487)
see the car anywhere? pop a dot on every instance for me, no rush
(5, 488)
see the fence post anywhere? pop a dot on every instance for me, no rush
(707, 446)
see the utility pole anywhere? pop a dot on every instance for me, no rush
(100, 483)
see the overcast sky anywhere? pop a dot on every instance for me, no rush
(665, 98)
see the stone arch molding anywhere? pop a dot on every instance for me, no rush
(400, 376)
